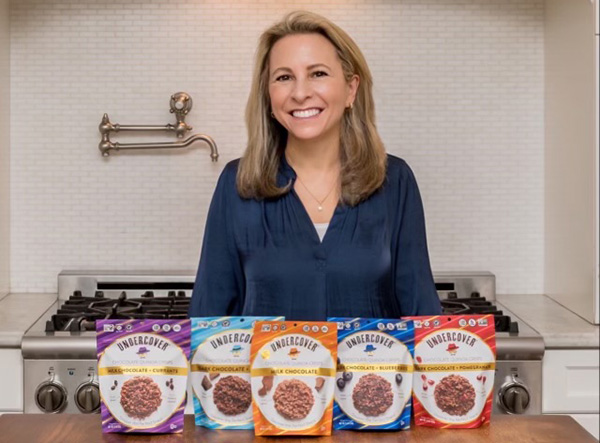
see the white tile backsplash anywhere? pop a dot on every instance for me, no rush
(459, 89)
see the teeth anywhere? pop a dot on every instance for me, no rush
(306, 113)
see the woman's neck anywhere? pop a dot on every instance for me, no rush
(323, 156)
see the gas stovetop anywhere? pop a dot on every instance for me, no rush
(80, 313)
(84, 297)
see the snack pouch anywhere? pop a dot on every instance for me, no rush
(455, 360)
(142, 372)
(374, 374)
(292, 368)
(220, 366)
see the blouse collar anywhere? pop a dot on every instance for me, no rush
(286, 172)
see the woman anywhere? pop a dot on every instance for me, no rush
(315, 220)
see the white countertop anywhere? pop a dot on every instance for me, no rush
(559, 327)
(18, 312)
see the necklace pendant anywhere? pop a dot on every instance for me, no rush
(320, 208)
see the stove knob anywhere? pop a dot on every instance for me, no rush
(87, 397)
(514, 396)
(51, 397)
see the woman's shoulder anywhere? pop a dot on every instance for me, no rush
(228, 175)
(398, 169)
(231, 168)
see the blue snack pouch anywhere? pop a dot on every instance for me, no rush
(374, 374)
(220, 371)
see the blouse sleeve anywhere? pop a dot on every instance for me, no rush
(415, 288)
(219, 285)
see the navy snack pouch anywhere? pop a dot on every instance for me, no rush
(374, 374)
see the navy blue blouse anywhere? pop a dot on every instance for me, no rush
(265, 257)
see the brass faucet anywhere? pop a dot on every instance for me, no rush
(181, 104)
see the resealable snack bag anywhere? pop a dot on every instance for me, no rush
(220, 371)
(292, 368)
(374, 374)
(142, 372)
(455, 360)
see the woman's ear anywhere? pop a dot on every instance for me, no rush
(353, 88)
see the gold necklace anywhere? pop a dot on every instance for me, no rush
(320, 202)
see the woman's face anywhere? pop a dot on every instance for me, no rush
(307, 88)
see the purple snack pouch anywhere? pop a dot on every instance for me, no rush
(142, 372)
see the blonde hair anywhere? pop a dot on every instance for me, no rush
(362, 154)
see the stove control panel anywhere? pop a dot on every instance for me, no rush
(67, 386)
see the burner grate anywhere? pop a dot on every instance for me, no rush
(79, 313)
(477, 305)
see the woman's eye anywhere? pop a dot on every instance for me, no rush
(319, 74)
(282, 78)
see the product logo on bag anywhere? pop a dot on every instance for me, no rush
(236, 350)
(294, 353)
(142, 352)
(294, 341)
(369, 350)
(142, 341)
(450, 338)
(452, 348)
(370, 339)
(233, 338)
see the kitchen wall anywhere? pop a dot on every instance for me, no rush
(4, 146)
(459, 89)
(571, 159)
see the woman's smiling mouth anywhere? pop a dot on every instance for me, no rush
(306, 113)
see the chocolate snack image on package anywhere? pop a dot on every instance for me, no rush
(372, 395)
(140, 397)
(374, 374)
(455, 395)
(142, 372)
(220, 366)
(232, 395)
(292, 377)
(293, 399)
(454, 370)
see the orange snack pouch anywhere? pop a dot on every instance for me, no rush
(292, 370)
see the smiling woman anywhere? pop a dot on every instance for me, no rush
(308, 59)
(309, 94)
(315, 220)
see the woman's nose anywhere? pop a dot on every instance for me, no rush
(302, 90)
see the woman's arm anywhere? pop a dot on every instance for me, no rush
(415, 289)
(219, 287)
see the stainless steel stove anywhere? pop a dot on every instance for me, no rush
(59, 351)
